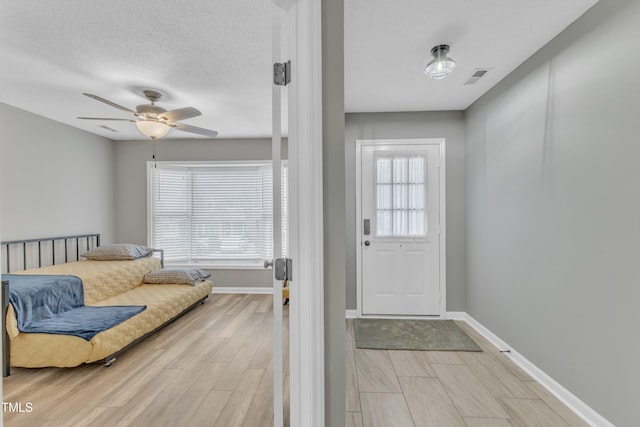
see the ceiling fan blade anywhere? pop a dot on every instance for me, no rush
(180, 114)
(113, 104)
(194, 129)
(106, 118)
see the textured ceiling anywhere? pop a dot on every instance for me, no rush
(387, 46)
(212, 55)
(216, 55)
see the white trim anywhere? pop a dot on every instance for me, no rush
(209, 266)
(441, 142)
(307, 400)
(351, 314)
(206, 163)
(456, 315)
(242, 290)
(276, 143)
(443, 227)
(570, 400)
(490, 336)
(358, 225)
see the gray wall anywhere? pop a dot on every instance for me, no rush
(333, 210)
(131, 159)
(553, 199)
(54, 179)
(443, 124)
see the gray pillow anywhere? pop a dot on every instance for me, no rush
(175, 276)
(118, 251)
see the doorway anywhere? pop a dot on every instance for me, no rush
(400, 209)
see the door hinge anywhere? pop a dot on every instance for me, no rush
(283, 269)
(282, 73)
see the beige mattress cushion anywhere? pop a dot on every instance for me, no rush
(105, 283)
(103, 279)
(42, 350)
(163, 303)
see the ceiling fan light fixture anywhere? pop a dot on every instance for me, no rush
(441, 64)
(153, 129)
(153, 121)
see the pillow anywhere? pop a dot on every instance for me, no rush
(175, 276)
(119, 251)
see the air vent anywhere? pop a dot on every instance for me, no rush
(477, 74)
(108, 128)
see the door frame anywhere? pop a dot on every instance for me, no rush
(306, 312)
(441, 143)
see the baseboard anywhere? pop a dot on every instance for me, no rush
(581, 409)
(242, 290)
(456, 315)
(351, 314)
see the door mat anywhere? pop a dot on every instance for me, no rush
(392, 334)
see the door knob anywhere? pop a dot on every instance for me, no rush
(268, 264)
(367, 243)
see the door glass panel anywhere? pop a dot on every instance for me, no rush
(401, 195)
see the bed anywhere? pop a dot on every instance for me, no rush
(105, 283)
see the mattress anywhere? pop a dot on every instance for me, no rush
(105, 283)
(164, 302)
(103, 279)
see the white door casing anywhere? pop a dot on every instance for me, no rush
(276, 144)
(302, 26)
(401, 195)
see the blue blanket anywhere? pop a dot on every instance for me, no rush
(49, 304)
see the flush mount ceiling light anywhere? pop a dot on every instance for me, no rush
(441, 65)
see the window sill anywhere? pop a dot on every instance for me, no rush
(258, 265)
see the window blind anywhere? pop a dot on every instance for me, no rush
(401, 196)
(171, 212)
(218, 212)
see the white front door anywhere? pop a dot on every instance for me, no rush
(400, 229)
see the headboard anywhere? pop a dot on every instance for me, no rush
(36, 253)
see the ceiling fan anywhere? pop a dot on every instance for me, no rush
(153, 121)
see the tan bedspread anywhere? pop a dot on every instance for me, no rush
(101, 278)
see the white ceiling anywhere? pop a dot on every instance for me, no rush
(215, 56)
(388, 44)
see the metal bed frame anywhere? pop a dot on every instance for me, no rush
(6, 362)
(95, 238)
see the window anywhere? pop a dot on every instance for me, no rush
(400, 196)
(214, 214)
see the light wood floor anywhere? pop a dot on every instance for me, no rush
(441, 389)
(212, 367)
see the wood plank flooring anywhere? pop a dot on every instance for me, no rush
(394, 388)
(212, 367)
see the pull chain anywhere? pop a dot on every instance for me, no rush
(155, 164)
